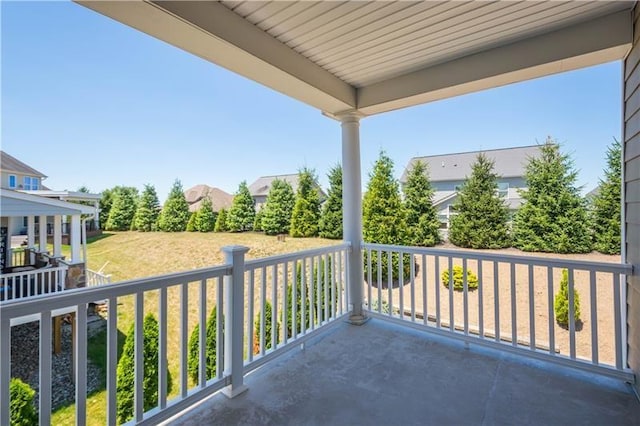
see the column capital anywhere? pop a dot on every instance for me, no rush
(349, 116)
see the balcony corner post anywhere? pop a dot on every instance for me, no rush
(234, 320)
(352, 211)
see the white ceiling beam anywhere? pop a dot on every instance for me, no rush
(593, 42)
(215, 33)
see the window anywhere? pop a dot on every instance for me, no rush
(30, 183)
(12, 181)
(503, 189)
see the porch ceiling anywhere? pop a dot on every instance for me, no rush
(379, 56)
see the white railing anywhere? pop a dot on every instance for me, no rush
(96, 278)
(23, 284)
(237, 291)
(507, 301)
(18, 256)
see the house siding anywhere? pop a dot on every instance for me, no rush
(631, 185)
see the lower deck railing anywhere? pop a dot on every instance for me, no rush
(34, 282)
(518, 303)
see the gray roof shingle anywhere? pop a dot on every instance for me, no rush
(11, 164)
(509, 162)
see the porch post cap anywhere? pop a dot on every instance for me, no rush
(235, 249)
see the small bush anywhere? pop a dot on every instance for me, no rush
(268, 315)
(385, 308)
(458, 278)
(193, 364)
(21, 408)
(561, 302)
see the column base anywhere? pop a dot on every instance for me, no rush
(358, 319)
(231, 391)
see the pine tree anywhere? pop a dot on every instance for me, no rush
(146, 216)
(193, 361)
(553, 217)
(481, 215)
(242, 213)
(191, 225)
(125, 372)
(221, 221)
(306, 210)
(123, 209)
(331, 219)
(606, 204)
(205, 220)
(422, 218)
(257, 223)
(276, 218)
(175, 212)
(384, 218)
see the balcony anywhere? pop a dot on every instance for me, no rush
(488, 352)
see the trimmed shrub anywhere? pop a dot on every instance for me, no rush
(241, 215)
(561, 301)
(423, 226)
(191, 225)
(148, 210)
(175, 212)
(257, 224)
(193, 363)
(306, 210)
(277, 211)
(221, 221)
(330, 224)
(458, 278)
(205, 219)
(385, 308)
(21, 408)
(125, 380)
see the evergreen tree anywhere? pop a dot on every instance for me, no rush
(481, 215)
(257, 223)
(221, 221)
(122, 209)
(105, 203)
(205, 220)
(146, 216)
(422, 218)
(384, 218)
(175, 212)
(191, 225)
(553, 217)
(276, 218)
(306, 210)
(330, 225)
(125, 372)
(268, 329)
(242, 212)
(193, 362)
(606, 204)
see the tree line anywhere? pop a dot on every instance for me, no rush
(554, 217)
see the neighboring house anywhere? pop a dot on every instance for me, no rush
(18, 176)
(219, 198)
(261, 187)
(448, 172)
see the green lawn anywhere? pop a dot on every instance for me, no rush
(129, 255)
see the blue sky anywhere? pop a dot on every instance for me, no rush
(89, 101)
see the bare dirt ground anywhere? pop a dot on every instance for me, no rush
(531, 302)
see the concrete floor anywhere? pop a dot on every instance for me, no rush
(384, 374)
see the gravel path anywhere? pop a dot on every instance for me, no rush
(24, 364)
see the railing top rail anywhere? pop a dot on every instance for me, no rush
(288, 257)
(619, 268)
(33, 272)
(48, 302)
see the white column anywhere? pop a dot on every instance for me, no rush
(352, 210)
(43, 233)
(96, 219)
(75, 238)
(31, 231)
(57, 235)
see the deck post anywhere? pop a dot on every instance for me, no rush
(352, 210)
(234, 320)
(57, 235)
(43, 233)
(75, 238)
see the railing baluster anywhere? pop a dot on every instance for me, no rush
(550, 312)
(326, 288)
(312, 297)
(202, 336)
(340, 281)
(532, 313)
(263, 293)
(379, 252)
(138, 397)
(572, 317)
(480, 301)
(390, 280)
(333, 284)
(617, 320)
(465, 296)
(412, 265)
(451, 324)
(294, 300)
(80, 362)
(162, 349)
(514, 318)
(45, 370)
(369, 278)
(219, 327)
(184, 337)
(112, 359)
(285, 305)
(250, 337)
(318, 291)
(437, 282)
(425, 311)
(401, 283)
(496, 300)
(594, 317)
(303, 296)
(274, 306)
